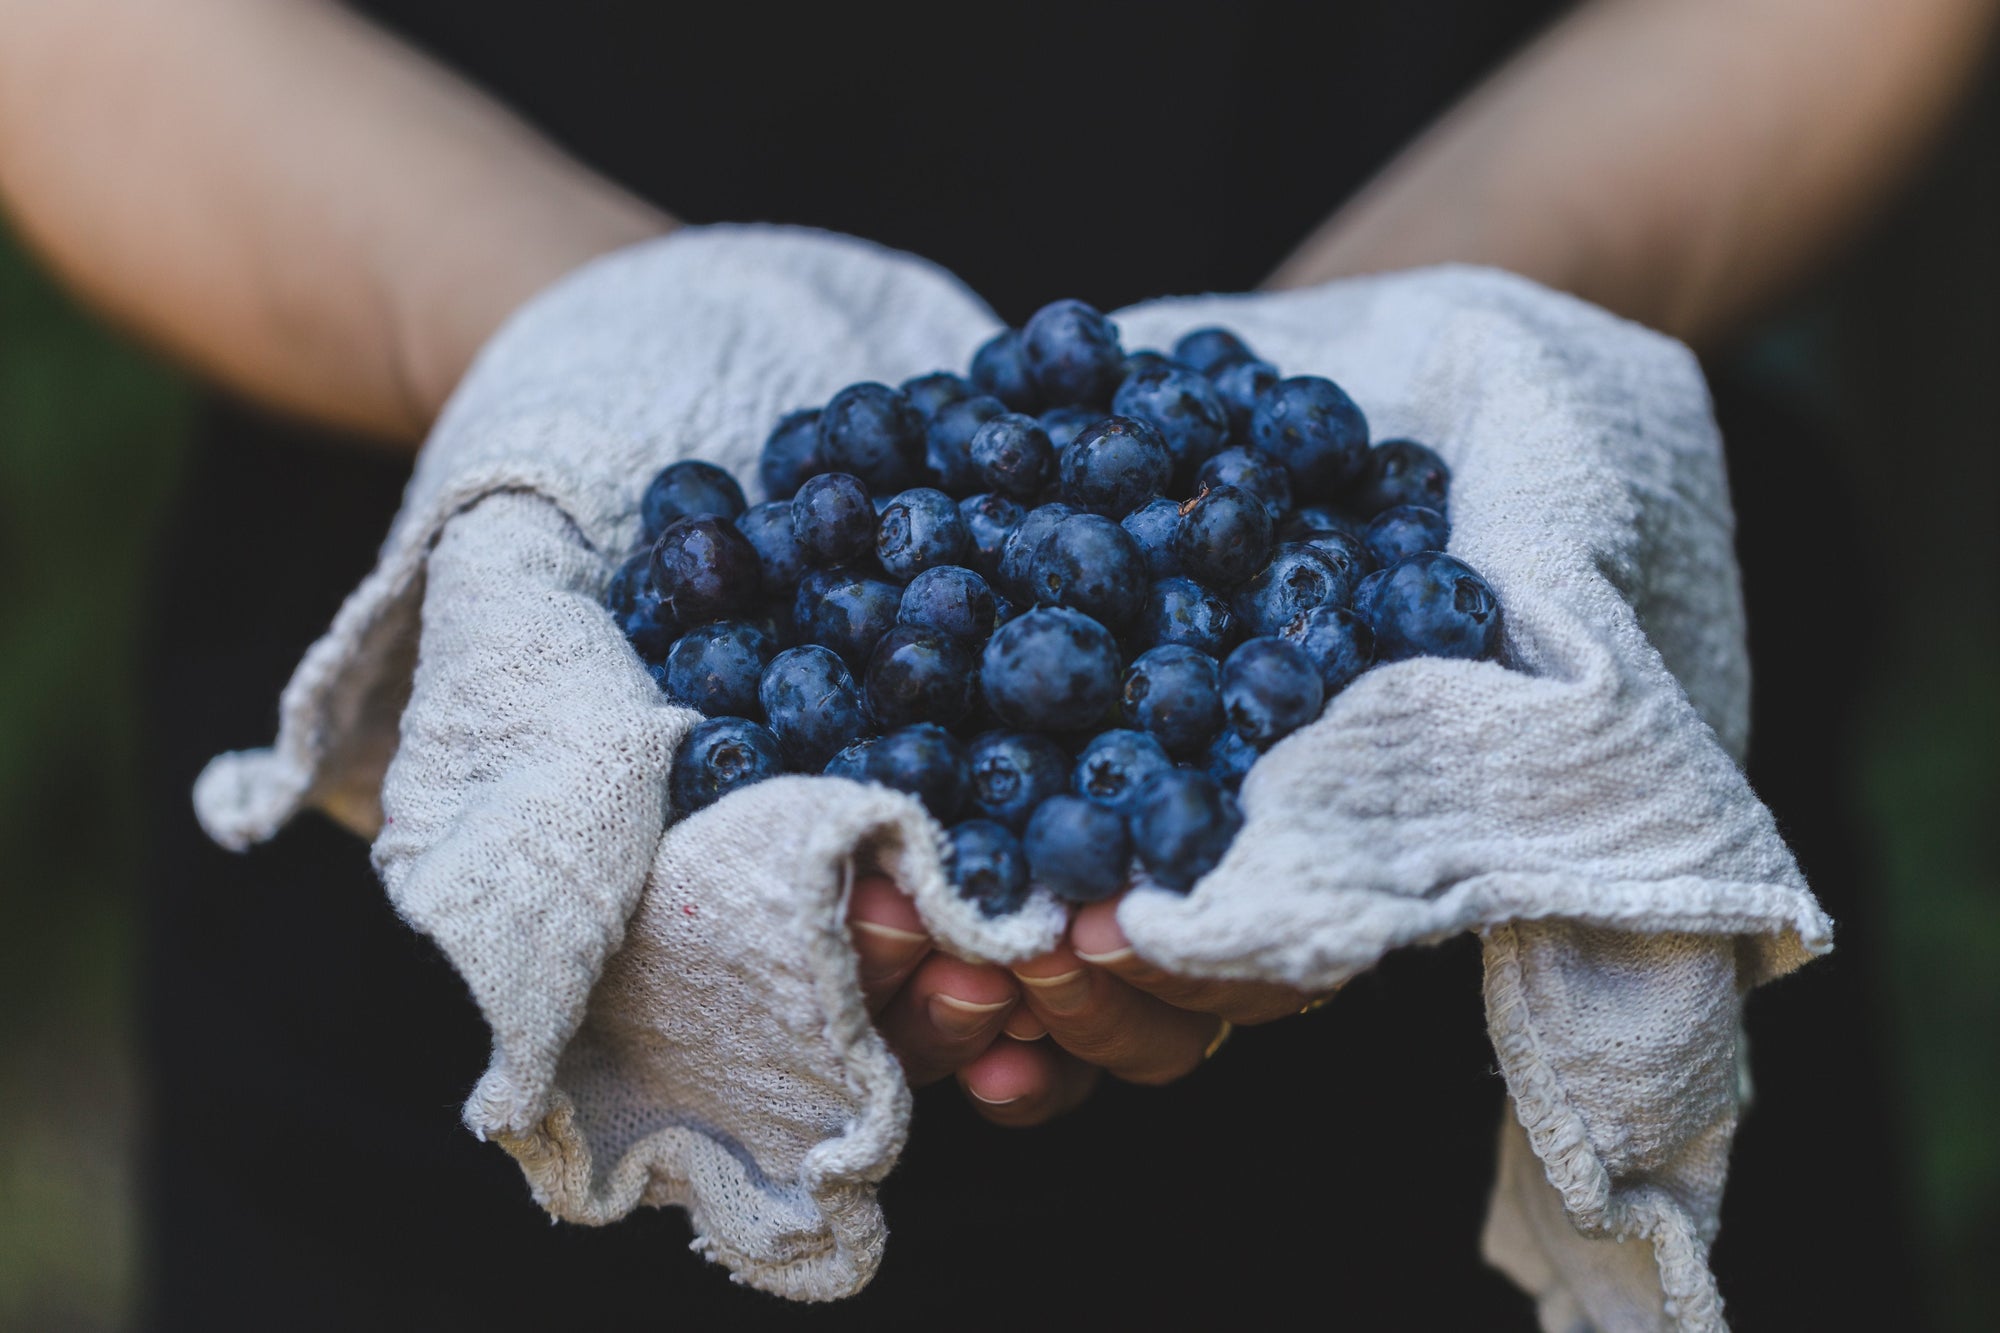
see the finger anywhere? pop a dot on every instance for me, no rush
(1016, 1084)
(1094, 1015)
(1022, 1025)
(888, 935)
(1096, 938)
(946, 1014)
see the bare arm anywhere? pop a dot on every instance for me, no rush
(286, 198)
(1682, 162)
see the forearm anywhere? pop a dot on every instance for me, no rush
(286, 198)
(1681, 163)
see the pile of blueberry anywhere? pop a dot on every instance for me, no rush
(982, 591)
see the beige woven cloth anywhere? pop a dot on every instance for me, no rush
(675, 1011)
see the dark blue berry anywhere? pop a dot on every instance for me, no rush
(1183, 406)
(768, 529)
(1052, 669)
(812, 705)
(1337, 640)
(920, 529)
(989, 521)
(1181, 611)
(928, 393)
(1013, 772)
(791, 454)
(988, 867)
(1431, 605)
(1072, 351)
(635, 604)
(1348, 554)
(1015, 573)
(999, 369)
(1152, 526)
(1311, 426)
(1401, 472)
(1115, 465)
(1077, 849)
(948, 441)
(1405, 530)
(1239, 384)
(1091, 564)
(833, 520)
(926, 761)
(872, 431)
(1209, 350)
(851, 762)
(1308, 521)
(704, 569)
(919, 675)
(688, 489)
(1270, 689)
(852, 615)
(1182, 823)
(1250, 470)
(951, 600)
(1063, 423)
(1224, 537)
(1146, 358)
(718, 756)
(1298, 579)
(1364, 594)
(1229, 759)
(1174, 694)
(1012, 454)
(716, 668)
(1115, 765)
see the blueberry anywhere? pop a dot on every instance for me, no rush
(1063, 423)
(1152, 527)
(833, 520)
(1253, 471)
(1015, 572)
(1311, 426)
(813, 705)
(635, 604)
(989, 521)
(1181, 611)
(1012, 455)
(716, 668)
(1270, 689)
(920, 529)
(926, 761)
(1115, 465)
(688, 489)
(1091, 564)
(929, 393)
(1183, 406)
(851, 762)
(1115, 765)
(1225, 536)
(919, 675)
(1298, 579)
(1364, 594)
(1174, 694)
(1337, 640)
(1073, 353)
(874, 432)
(1229, 759)
(988, 867)
(1401, 472)
(948, 441)
(1146, 358)
(999, 369)
(1239, 384)
(852, 615)
(1431, 605)
(1182, 823)
(1308, 521)
(705, 569)
(768, 529)
(1077, 849)
(1013, 772)
(1209, 350)
(1405, 530)
(1348, 554)
(1052, 669)
(951, 600)
(718, 756)
(791, 454)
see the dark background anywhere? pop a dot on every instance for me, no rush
(1872, 389)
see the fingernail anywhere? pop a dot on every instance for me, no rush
(1063, 994)
(1096, 938)
(962, 1018)
(887, 934)
(990, 1101)
(1024, 1026)
(1105, 959)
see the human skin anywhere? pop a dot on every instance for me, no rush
(1681, 162)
